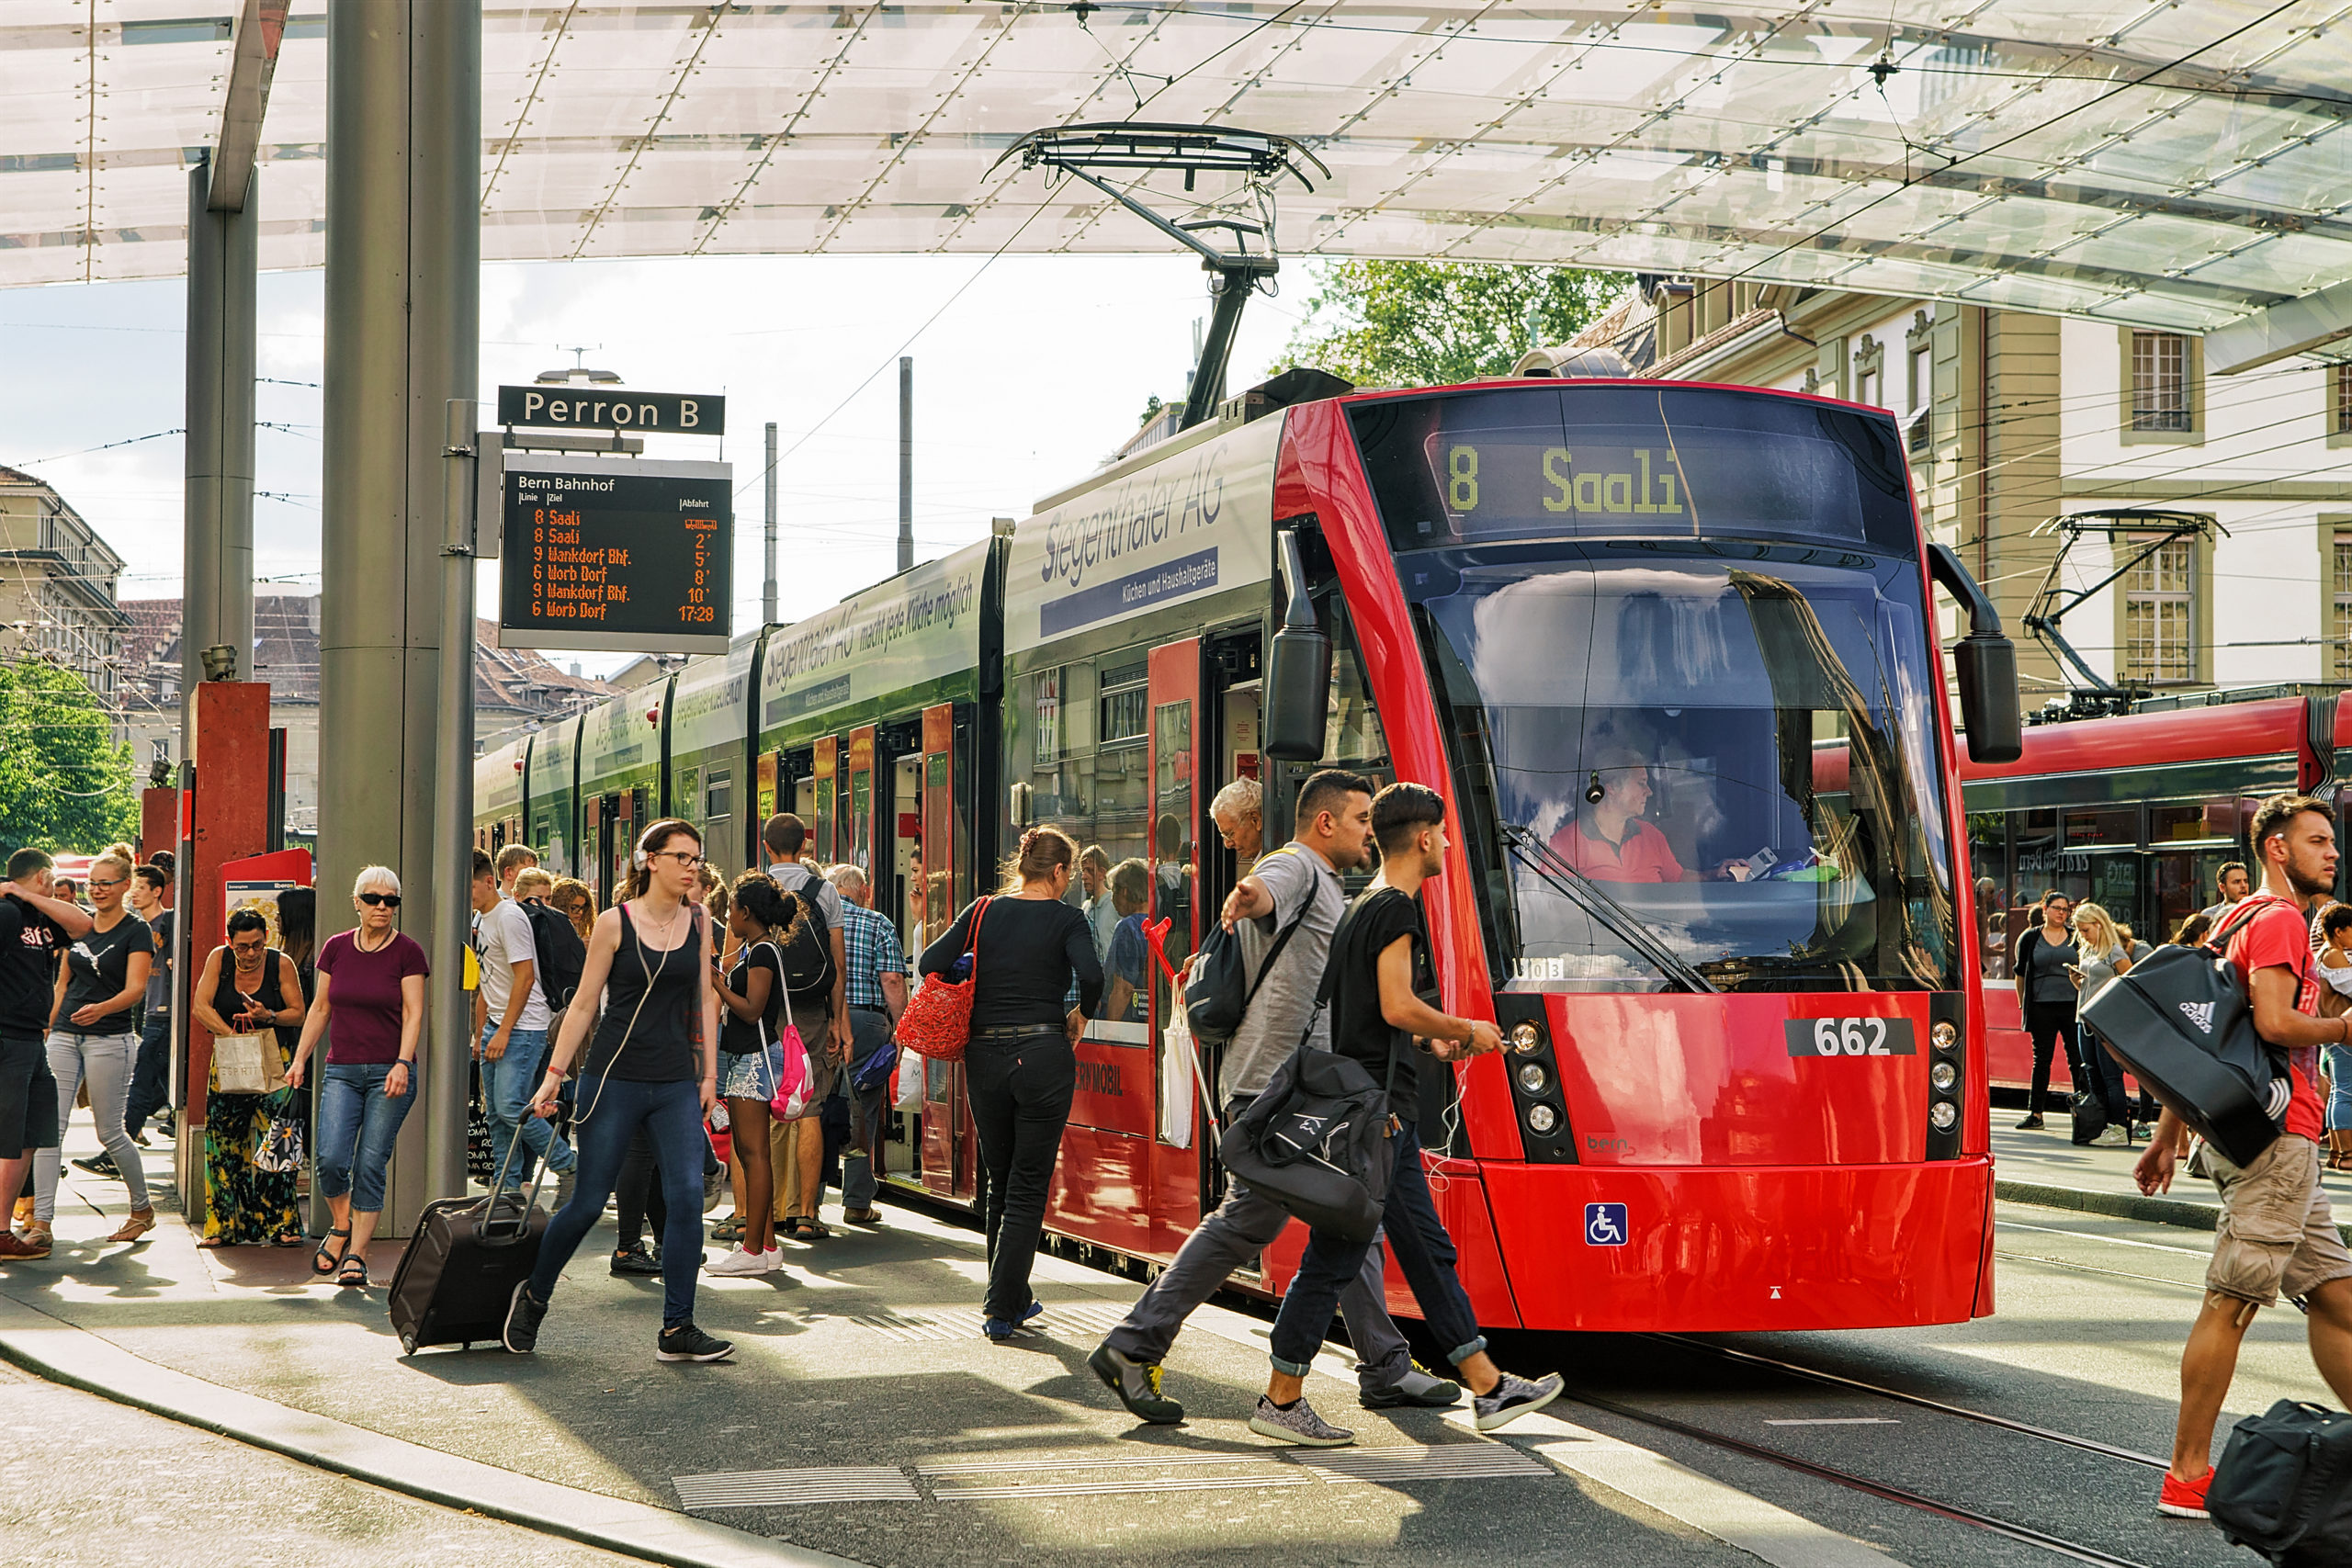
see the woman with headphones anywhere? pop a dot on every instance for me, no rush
(649, 956)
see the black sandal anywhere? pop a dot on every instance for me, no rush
(321, 1264)
(353, 1275)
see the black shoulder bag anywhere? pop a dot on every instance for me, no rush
(2184, 1025)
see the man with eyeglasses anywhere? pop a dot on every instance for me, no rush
(2045, 993)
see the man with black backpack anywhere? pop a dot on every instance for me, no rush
(816, 975)
(1297, 887)
(2275, 1235)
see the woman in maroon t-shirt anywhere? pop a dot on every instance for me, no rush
(371, 1003)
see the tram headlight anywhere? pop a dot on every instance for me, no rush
(1530, 1077)
(1943, 1115)
(1525, 1038)
(1943, 1075)
(1945, 1036)
(1542, 1118)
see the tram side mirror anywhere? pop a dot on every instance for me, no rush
(1987, 669)
(1985, 663)
(1021, 807)
(1298, 670)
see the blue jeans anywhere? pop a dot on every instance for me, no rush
(2339, 1097)
(611, 1112)
(1423, 1250)
(150, 1074)
(507, 1088)
(358, 1123)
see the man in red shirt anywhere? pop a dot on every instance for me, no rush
(2276, 1233)
(1609, 839)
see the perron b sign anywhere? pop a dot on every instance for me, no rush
(613, 408)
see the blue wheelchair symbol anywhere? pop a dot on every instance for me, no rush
(1605, 1224)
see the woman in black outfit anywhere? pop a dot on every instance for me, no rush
(647, 1068)
(2046, 995)
(1020, 1069)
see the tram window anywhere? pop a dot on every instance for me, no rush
(1988, 862)
(718, 794)
(2107, 825)
(1085, 745)
(2186, 822)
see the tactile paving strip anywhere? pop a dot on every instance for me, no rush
(908, 1328)
(788, 1488)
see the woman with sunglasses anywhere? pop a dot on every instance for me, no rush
(649, 959)
(91, 1041)
(372, 1001)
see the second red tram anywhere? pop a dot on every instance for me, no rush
(1750, 1095)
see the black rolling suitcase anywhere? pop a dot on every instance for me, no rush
(457, 1279)
(2182, 1024)
(2284, 1485)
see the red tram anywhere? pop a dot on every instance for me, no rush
(1751, 1099)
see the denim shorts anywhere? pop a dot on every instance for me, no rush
(746, 1077)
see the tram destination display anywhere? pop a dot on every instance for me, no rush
(609, 553)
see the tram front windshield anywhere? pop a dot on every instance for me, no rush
(1692, 763)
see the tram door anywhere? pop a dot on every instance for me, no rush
(857, 848)
(821, 826)
(618, 825)
(1180, 743)
(950, 1164)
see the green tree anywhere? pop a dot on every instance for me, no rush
(1409, 324)
(65, 784)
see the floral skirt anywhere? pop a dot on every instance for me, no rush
(243, 1204)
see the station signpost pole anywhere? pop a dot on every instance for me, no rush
(449, 1049)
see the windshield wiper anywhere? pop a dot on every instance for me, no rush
(1586, 894)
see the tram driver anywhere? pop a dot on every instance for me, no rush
(1611, 838)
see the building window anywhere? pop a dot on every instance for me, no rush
(2159, 613)
(2339, 604)
(2339, 409)
(2160, 376)
(1870, 372)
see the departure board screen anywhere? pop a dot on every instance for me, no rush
(616, 553)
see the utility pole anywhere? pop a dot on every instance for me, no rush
(767, 582)
(906, 461)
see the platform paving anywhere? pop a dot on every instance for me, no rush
(2044, 1168)
(863, 1419)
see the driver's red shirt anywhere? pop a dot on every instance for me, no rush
(1645, 856)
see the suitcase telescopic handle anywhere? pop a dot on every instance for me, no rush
(487, 1230)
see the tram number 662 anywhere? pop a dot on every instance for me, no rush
(1851, 1037)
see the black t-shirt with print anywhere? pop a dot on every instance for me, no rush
(29, 943)
(1359, 1029)
(736, 1037)
(97, 968)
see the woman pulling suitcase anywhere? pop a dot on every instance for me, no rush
(650, 958)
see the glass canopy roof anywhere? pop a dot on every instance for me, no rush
(2147, 161)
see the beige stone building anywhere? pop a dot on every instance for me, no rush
(513, 687)
(57, 581)
(2220, 507)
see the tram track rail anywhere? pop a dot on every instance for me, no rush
(2006, 1528)
(1960, 1411)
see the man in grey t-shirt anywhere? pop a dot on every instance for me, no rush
(1299, 882)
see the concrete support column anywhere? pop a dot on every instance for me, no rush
(403, 307)
(217, 590)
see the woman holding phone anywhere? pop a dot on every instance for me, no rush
(649, 959)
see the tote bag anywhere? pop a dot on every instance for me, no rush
(938, 1021)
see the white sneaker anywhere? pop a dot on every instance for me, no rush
(772, 1260)
(738, 1261)
(2114, 1137)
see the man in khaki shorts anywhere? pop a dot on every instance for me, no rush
(2275, 1235)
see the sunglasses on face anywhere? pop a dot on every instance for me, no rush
(389, 901)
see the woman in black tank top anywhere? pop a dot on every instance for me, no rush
(653, 1067)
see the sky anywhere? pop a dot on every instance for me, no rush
(1029, 370)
